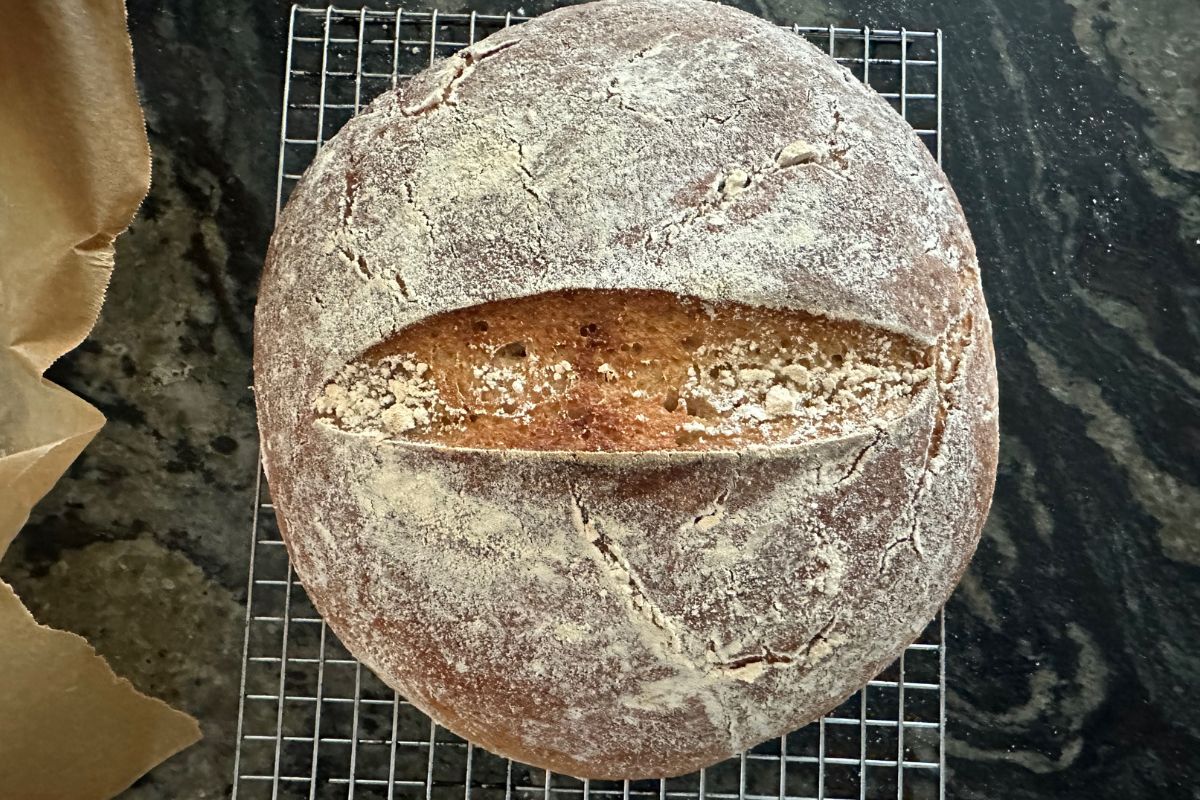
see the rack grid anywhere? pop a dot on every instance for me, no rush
(314, 723)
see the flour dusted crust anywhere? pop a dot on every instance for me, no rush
(627, 614)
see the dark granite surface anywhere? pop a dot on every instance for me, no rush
(1073, 140)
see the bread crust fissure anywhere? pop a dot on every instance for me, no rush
(459, 66)
(623, 576)
(731, 183)
(625, 370)
(950, 356)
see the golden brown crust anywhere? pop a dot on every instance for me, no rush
(631, 370)
(627, 614)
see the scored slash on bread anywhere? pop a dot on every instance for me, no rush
(624, 371)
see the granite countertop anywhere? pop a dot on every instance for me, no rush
(1073, 141)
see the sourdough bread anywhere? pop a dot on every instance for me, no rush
(626, 387)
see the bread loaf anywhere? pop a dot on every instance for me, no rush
(626, 387)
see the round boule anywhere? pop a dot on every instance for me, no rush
(626, 387)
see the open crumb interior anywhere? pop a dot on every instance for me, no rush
(628, 370)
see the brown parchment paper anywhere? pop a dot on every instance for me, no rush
(74, 166)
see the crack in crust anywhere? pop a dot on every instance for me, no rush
(411, 200)
(707, 520)
(751, 666)
(631, 585)
(947, 366)
(747, 668)
(464, 63)
(348, 250)
(728, 185)
(880, 434)
(766, 656)
(527, 178)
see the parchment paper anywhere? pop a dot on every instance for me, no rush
(74, 166)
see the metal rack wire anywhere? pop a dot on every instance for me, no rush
(313, 723)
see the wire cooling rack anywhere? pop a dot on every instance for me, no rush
(313, 723)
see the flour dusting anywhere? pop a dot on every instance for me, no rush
(760, 557)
